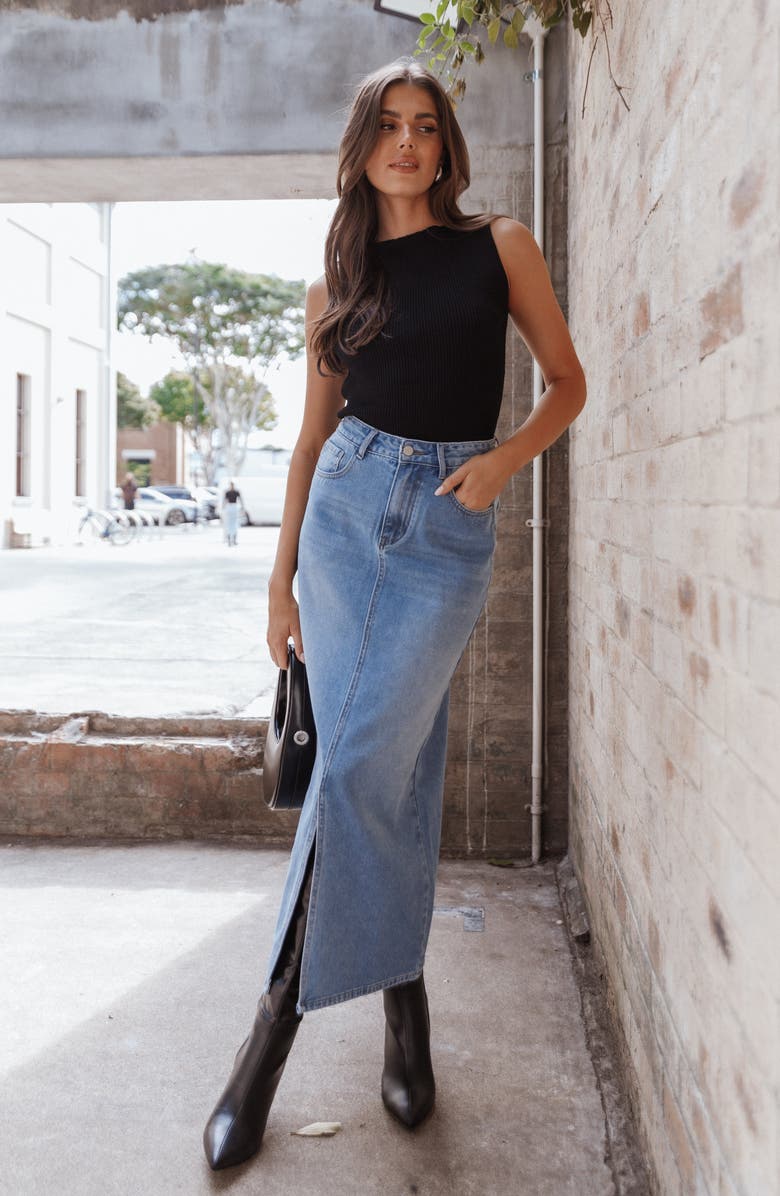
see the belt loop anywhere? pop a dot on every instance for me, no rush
(365, 442)
(442, 460)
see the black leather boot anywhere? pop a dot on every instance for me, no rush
(408, 1086)
(235, 1129)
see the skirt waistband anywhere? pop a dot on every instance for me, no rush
(446, 454)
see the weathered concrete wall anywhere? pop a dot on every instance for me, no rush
(675, 485)
(98, 776)
(491, 696)
(203, 90)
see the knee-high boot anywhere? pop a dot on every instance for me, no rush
(235, 1129)
(408, 1086)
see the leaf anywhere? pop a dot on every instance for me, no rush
(497, 863)
(493, 29)
(318, 1129)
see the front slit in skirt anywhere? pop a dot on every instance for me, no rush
(392, 579)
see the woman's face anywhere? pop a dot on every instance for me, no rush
(409, 131)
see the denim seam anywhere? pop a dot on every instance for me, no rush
(315, 841)
(426, 902)
(367, 625)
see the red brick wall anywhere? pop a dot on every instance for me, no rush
(161, 438)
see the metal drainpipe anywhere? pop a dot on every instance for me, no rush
(534, 30)
(109, 402)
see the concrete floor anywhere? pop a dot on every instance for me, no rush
(130, 978)
(172, 624)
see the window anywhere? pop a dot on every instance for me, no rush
(23, 435)
(81, 443)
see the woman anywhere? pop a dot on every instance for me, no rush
(390, 523)
(230, 501)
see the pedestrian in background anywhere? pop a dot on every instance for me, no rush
(129, 488)
(230, 501)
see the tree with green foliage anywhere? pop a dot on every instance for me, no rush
(229, 326)
(132, 409)
(176, 397)
(237, 404)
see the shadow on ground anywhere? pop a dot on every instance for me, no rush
(131, 977)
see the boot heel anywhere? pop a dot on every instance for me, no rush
(408, 1085)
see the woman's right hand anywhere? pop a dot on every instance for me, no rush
(283, 622)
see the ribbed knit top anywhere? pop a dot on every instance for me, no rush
(436, 370)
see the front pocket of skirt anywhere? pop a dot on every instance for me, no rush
(480, 512)
(335, 459)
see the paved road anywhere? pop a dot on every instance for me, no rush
(173, 626)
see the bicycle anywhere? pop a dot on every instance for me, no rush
(112, 526)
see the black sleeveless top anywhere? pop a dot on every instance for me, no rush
(436, 370)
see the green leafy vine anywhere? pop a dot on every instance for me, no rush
(452, 26)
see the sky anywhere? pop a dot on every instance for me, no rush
(284, 237)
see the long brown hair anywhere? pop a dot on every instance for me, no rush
(357, 307)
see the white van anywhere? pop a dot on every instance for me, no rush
(262, 492)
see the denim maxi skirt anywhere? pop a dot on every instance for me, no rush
(392, 579)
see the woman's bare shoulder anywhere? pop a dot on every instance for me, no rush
(318, 290)
(509, 232)
(517, 248)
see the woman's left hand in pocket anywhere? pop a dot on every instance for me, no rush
(478, 481)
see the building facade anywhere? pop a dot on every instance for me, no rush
(159, 449)
(57, 383)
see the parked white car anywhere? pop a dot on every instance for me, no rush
(162, 508)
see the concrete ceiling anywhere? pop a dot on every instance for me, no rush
(229, 176)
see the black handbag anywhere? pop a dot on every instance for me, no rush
(291, 741)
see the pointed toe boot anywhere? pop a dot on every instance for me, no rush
(234, 1131)
(408, 1086)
